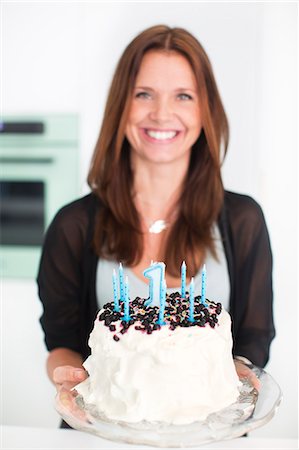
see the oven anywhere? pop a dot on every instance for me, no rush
(39, 174)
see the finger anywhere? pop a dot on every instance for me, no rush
(245, 372)
(70, 374)
(254, 380)
(67, 400)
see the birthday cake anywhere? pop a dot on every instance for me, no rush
(177, 373)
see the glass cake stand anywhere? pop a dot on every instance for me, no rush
(252, 410)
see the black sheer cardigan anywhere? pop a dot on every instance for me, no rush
(67, 276)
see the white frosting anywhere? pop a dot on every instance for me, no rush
(175, 376)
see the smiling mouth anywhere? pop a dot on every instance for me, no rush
(161, 135)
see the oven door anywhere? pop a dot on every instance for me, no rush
(32, 188)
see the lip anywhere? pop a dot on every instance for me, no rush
(144, 132)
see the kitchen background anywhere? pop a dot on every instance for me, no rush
(58, 59)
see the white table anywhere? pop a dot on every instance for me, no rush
(20, 438)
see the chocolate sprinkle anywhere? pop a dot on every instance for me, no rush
(145, 318)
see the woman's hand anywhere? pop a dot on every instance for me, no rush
(244, 371)
(64, 367)
(68, 376)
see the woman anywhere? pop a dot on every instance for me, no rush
(157, 194)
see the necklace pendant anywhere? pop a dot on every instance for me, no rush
(158, 226)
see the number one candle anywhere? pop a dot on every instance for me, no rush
(191, 300)
(156, 274)
(126, 305)
(203, 285)
(115, 296)
(183, 280)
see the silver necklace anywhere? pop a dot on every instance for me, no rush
(154, 226)
(158, 226)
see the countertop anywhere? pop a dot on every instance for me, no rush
(13, 437)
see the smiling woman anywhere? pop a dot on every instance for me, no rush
(157, 194)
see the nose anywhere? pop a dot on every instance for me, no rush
(161, 110)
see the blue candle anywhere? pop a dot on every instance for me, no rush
(191, 300)
(203, 285)
(183, 280)
(162, 305)
(121, 282)
(126, 305)
(115, 296)
(156, 274)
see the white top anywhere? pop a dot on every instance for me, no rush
(217, 279)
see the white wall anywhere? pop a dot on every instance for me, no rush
(59, 57)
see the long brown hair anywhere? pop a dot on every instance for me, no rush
(118, 230)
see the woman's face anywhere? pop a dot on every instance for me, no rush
(164, 119)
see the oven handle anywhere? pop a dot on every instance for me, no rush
(22, 160)
(8, 127)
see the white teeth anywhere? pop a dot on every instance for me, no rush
(161, 135)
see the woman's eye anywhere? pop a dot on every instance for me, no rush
(184, 96)
(142, 95)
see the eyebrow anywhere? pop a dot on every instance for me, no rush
(180, 89)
